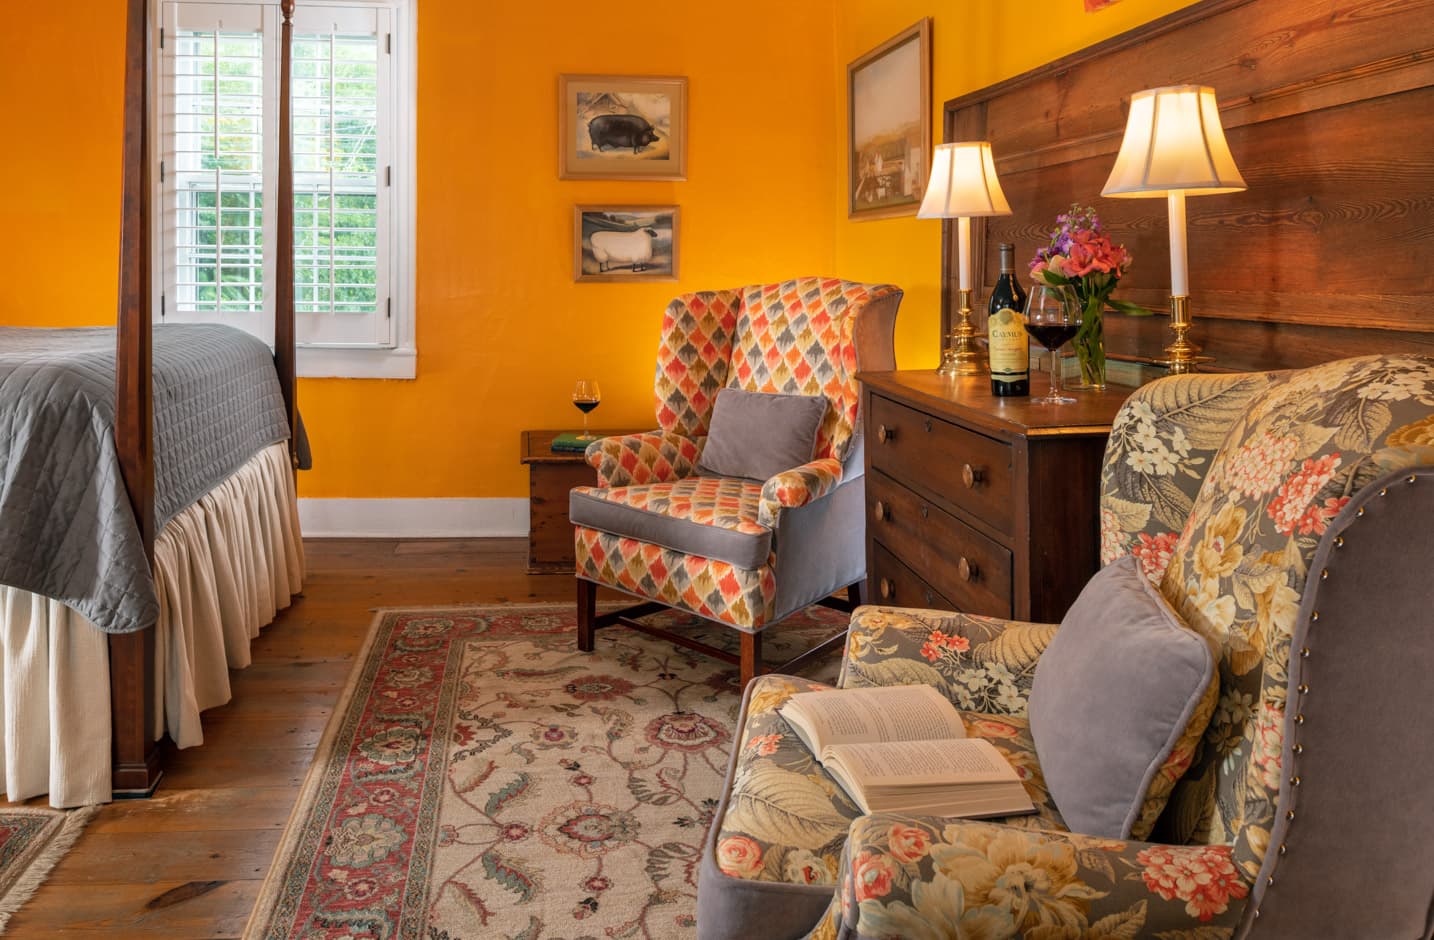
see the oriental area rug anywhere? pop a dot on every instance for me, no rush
(482, 778)
(32, 841)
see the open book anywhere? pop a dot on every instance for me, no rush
(904, 749)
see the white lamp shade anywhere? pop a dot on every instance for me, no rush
(963, 183)
(1174, 142)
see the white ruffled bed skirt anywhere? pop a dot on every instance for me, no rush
(223, 568)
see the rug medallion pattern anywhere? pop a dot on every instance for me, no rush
(485, 779)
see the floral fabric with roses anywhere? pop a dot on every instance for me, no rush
(905, 876)
(1298, 451)
(488, 780)
(786, 820)
(1159, 451)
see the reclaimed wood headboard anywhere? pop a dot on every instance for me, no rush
(1329, 109)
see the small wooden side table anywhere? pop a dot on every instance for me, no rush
(550, 476)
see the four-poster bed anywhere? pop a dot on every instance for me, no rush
(210, 556)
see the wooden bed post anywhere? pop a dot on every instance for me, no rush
(135, 769)
(285, 353)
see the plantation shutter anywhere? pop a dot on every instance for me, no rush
(218, 129)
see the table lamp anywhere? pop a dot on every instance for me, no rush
(963, 186)
(1174, 146)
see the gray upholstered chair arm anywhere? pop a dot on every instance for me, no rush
(983, 664)
(931, 877)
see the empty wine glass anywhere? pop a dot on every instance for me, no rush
(586, 396)
(1053, 318)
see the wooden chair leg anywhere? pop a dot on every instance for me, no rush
(853, 593)
(750, 658)
(587, 615)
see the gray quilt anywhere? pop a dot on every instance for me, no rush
(66, 527)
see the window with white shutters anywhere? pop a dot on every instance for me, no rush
(217, 131)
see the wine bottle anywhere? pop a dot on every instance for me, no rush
(1009, 346)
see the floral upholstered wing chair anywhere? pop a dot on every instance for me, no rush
(1289, 518)
(741, 552)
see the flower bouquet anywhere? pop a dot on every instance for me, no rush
(1080, 254)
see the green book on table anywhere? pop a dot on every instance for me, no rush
(569, 443)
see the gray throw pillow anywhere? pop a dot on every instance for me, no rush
(759, 435)
(1116, 696)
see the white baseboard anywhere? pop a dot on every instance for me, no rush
(414, 518)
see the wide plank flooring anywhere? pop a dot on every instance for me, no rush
(189, 862)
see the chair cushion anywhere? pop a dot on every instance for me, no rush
(757, 435)
(714, 517)
(745, 598)
(775, 847)
(1119, 699)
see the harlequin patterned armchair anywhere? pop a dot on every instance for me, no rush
(741, 552)
(1289, 519)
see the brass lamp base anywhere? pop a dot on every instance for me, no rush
(1182, 357)
(963, 356)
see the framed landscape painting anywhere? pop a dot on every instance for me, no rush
(625, 243)
(889, 125)
(622, 127)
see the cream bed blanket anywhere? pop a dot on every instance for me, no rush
(223, 568)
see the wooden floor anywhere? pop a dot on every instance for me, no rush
(189, 861)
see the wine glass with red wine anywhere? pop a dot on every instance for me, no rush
(586, 396)
(1053, 318)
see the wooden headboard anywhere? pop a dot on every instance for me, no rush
(1329, 109)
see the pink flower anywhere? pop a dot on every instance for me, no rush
(739, 857)
(1268, 746)
(1292, 508)
(991, 728)
(907, 843)
(1201, 876)
(765, 744)
(872, 874)
(937, 643)
(1154, 553)
(1256, 468)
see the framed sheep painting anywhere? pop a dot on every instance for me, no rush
(625, 243)
(622, 127)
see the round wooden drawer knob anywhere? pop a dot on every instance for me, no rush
(884, 433)
(887, 589)
(971, 476)
(967, 570)
(883, 512)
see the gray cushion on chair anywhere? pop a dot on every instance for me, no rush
(1112, 694)
(743, 549)
(758, 435)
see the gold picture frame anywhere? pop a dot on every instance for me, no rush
(625, 243)
(622, 127)
(889, 126)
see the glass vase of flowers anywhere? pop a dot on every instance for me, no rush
(1081, 256)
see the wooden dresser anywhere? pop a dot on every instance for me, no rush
(981, 504)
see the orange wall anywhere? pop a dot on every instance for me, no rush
(60, 125)
(975, 44)
(502, 329)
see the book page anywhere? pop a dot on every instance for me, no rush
(891, 713)
(918, 763)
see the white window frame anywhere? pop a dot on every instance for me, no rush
(397, 359)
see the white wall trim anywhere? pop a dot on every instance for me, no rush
(414, 518)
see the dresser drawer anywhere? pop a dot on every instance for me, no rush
(973, 571)
(967, 469)
(892, 584)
